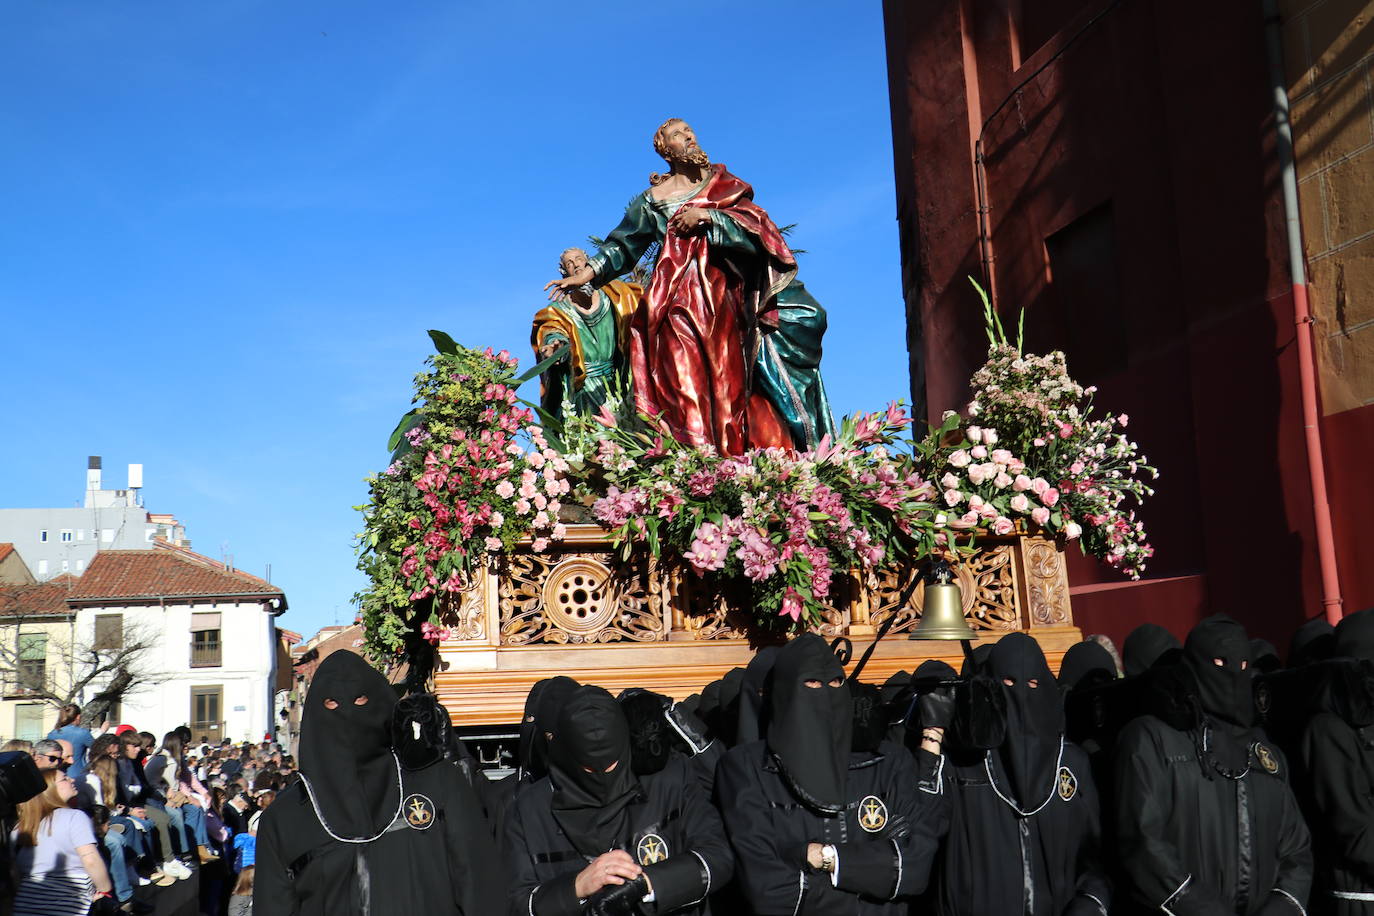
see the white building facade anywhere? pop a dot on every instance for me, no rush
(212, 657)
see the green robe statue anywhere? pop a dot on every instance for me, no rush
(597, 341)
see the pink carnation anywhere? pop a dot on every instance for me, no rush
(493, 543)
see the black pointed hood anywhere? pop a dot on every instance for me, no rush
(1144, 646)
(1030, 750)
(345, 751)
(1225, 692)
(650, 739)
(1087, 663)
(753, 696)
(809, 731)
(591, 804)
(1354, 636)
(1314, 641)
(542, 706)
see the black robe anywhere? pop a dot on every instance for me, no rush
(436, 857)
(1043, 862)
(886, 837)
(1339, 763)
(673, 832)
(1190, 844)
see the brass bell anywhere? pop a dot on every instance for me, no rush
(942, 617)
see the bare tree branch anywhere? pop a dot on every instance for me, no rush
(75, 665)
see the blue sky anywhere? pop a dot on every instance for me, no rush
(228, 225)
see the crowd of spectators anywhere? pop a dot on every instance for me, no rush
(123, 810)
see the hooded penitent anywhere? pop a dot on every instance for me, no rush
(542, 705)
(1217, 656)
(589, 763)
(753, 696)
(809, 730)
(1029, 754)
(1312, 642)
(1350, 683)
(650, 739)
(1087, 663)
(345, 752)
(1143, 647)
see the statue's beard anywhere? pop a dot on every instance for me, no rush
(694, 156)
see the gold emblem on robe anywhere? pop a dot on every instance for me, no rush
(418, 811)
(650, 849)
(872, 814)
(1068, 784)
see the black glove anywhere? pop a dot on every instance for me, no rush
(936, 708)
(618, 899)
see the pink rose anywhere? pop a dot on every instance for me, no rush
(1072, 530)
(1001, 456)
(1076, 468)
(987, 510)
(967, 520)
(1040, 515)
(1039, 442)
(953, 497)
(1039, 485)
(959, 459)
(989, 437)
(1020, 503)
(1003, 525)
(978, 451)
(976, 475)
(1021, 484)
(1001, 481)
(975, 501)
(975, 434)
(1050, 496)
(949, 482)
(941, 520)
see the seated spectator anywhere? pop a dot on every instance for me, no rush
(118, 860)
(133, 792)
(58, 864)
(17, 744)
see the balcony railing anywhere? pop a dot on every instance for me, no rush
(205, 654)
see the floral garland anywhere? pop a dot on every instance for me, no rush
(782, 523)
(473, 473)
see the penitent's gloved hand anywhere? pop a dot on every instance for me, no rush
(618, 899)
(936, 708)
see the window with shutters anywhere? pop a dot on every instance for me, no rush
(109, 632)
(205, 642)
(207, 710)
(28, 721)
(32, 672)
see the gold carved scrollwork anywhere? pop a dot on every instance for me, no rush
(986, 580)
(579, 598)
(1046, 583)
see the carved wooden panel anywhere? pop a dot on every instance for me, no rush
(987, 581)
(1047, 582)
(465, 615)
(580, 598)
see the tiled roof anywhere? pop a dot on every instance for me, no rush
(6, 550)
(48, 599)
(164, 573)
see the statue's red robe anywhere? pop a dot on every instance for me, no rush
(693, 340)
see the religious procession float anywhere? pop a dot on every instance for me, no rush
(680, 493)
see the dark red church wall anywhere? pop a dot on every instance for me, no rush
(1135, 214)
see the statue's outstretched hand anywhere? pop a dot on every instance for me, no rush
(689, 220)
(560, 286)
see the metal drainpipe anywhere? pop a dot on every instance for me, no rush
(1316, 465)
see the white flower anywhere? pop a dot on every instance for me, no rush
(1072, 530)
(975, 434)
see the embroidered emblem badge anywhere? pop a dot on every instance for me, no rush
(651, 849)
(1266, 758)
(419, 811)
(872, 814)
(1068, 784)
